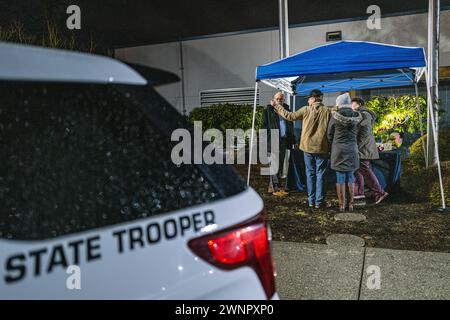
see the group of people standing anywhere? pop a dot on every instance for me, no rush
(342, 134)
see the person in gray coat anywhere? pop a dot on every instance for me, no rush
(342, 136)
(368, 151)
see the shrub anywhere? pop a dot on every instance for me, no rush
(423, 183)
(435, 193)
(397, 114)
(416, 149)
(227, 116)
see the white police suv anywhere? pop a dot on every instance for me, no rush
(92, 207)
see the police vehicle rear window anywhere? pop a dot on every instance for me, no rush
(78, 157)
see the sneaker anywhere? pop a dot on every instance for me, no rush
(284, 192)
(358, 197)
(323, 205)
(270, 190)
(381, 198)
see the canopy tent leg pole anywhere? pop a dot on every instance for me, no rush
(433, 71)
(421, 122)
(251, 135)
(294, 109)
(430, 131)
(436, 148)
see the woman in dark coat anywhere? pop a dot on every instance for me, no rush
(342, 137)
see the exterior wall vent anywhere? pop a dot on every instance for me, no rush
(334, 36)
(231, 95)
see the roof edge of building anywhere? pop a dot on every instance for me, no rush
(291, 26)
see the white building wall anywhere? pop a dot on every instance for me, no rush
(230, 61)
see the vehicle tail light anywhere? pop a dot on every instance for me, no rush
(246, 244)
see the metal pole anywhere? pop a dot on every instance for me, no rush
(251, 135)
(284, 33)
(433, 74)
(183, 98)
(419, 112)
(284, 28)
(284, 42)
(436, 150)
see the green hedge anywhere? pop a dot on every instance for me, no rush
(227, 116)
(423, 183)
(435, 193)
(416, 149)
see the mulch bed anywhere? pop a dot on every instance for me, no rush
(400, 222)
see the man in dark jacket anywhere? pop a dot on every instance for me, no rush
(271, 120)
(368, 151)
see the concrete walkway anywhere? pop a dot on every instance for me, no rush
(316, 271)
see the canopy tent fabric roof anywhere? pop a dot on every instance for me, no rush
(344, 66)
(356, 81)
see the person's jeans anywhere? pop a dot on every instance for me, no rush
(345, 177)
(366, 175)
(316, 165)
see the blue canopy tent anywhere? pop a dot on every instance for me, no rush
(346, 66)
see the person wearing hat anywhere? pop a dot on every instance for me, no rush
(368, 151)
(313, 143)
(342, 137)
